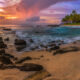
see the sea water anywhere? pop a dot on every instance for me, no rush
(44, 35)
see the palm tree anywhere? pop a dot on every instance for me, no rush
(74, 12)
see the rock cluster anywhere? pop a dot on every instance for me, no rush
(66, 50)
(20, 44)
(50, 46)
(2, 45)
(8, 61)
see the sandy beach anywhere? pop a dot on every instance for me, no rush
(58, 64)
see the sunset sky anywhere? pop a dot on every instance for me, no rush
(40, 11)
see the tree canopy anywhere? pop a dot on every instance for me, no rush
(74, 17)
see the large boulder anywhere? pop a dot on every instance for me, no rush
(31, 67)
(20, 44)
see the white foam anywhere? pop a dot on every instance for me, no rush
(43, 39)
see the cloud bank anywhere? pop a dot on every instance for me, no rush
(29, 8)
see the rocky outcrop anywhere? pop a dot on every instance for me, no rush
(2, 45)
(8, 61)
(5, 60)
(23, 60)
(20, 44)
(31, 67)
(66, 50)
(2, 51)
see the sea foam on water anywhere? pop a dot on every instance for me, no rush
(43, 36)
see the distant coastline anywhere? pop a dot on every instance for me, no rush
(70, 25)
(72, 19)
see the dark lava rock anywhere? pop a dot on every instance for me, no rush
(54, 48)
(44, 46)
(31, 67)
(24, 59)
(33, 48)
(7, 39)
(6, 29)
(30, 40)
(51, 45)
(65, 50)
(10, 56)
(20, 48)
(1, 39)
(2, 51)
(20, 44)
(2, 45)
(5, 60)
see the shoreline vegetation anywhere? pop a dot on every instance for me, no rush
(72, 19)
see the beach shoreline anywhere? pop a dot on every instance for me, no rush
(71, 25)
(59, 63)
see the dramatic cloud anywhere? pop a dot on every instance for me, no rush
(29, 8)
(58, 11)
(32, 7)
(6, 3)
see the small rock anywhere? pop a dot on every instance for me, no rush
(31, 40)
(2, 45)
(2, 51)
(7, 39)
(54, 48)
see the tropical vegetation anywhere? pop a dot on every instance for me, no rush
(73, 18)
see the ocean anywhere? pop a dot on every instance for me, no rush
(45, 35)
